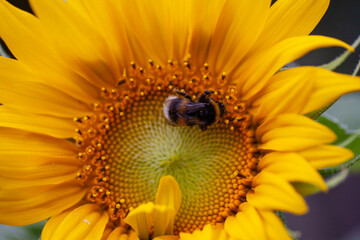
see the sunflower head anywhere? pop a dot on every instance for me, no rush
(162, 120)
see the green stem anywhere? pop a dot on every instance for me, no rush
(339, 60)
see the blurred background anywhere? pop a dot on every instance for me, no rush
(332, 216)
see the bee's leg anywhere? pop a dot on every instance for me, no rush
(203, 96)
(183, 94)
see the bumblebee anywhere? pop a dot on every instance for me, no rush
(181, 110)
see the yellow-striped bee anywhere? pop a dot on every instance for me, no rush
(183, 111)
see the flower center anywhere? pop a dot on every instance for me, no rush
(128, 145)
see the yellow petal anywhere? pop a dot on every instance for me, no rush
(282, 164)
(52, 224)
(23, 35)
(85, 222)
(140, 219)
(168, 200)
(162, 215)
(68, 30)
(303, 90)
(77, 42)
(14, 141)
(164, 218)
(29, 159)
(161, 30)
(326, 155)
(258, 75)
(29, 176)
(247, 224)
(27, 40)
(329, 86)
(271, 192)
(236, 31)
(121, 233)
(209, 232)
(37, 203)
(286, 93)
(274, 227)
(290, 18)
(20, 92)
(107, 17)
(168, 193)
(202, 28)
(48, 125)
(291, 132)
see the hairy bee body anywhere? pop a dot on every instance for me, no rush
(183, 111)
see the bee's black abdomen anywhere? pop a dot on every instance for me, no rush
(208, 115)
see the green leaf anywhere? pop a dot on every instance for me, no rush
(347, 139)
(339, 60)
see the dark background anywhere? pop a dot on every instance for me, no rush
(335, 215)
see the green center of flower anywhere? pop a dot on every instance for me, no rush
(134, 146)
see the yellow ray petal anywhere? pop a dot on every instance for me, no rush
(326, 155)
(37, 203)
(140, 219)
(290, 18)
(23, 35)
(52, 223)
(39, 98)
(291, 132)
(29, 159)
(85, 222)
(162, 215)
(13, 141)
(48, 125)
(69, 31)
(120, 233)
(209, 232)
(169, 196)
(271, 192)
(104, 17)
(161, 30)
(108, 20)
(164, 218)
(256, 71)
(282, 164)
(168, 193)
(329, 86)
(247, 224)
(202, 28)
(274, 227)
(27, 176)
(77, 41)
(236, 31)
(21, 89)
(26, 39)
(303, 90)
(285, 94)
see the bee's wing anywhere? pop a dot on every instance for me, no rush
(195, 108)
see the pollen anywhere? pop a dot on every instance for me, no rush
(126, 145)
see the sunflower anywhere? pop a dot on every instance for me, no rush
(84, 139)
